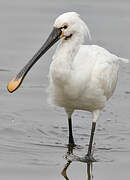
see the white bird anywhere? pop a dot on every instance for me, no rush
(81, 76)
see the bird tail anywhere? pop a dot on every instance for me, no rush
(124, 60)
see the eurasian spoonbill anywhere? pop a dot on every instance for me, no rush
(81, 76)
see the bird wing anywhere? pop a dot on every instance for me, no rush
(97, 68)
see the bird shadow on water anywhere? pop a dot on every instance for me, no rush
(76, 158)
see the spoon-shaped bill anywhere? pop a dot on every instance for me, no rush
(52, 39)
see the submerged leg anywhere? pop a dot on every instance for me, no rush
(71, 139)
(95, 117)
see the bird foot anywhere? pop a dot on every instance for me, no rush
(89, 158)
(71, 146)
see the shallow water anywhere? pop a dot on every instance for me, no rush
(33, 135)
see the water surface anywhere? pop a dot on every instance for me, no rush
(33, 135)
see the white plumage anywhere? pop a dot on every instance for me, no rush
(81, 76)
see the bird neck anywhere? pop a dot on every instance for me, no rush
(67, 49)
(62, 64)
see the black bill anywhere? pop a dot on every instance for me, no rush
(52, 39)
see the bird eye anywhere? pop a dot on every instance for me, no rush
(65, 26)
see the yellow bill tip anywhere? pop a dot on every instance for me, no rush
(14, 84)
(62, 35)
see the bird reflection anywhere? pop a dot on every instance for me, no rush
(89, 167)
(89, 171)
(65, 169)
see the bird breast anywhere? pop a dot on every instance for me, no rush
(59, 73)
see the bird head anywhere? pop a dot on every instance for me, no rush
(71, 25)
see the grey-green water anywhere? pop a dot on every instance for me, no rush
(33, 135)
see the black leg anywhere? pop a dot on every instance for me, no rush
(91, 138)
(89, 156)
(71, 139)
